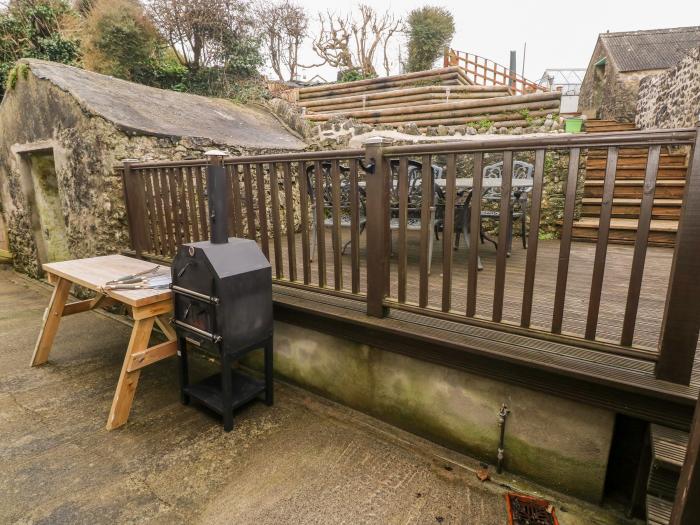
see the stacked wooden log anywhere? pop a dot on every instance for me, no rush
(448, 76)
(503, 111)
(447, 99)
(402, 98)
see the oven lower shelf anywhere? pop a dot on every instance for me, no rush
(209, 393)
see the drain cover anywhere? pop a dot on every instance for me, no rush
(527, 510)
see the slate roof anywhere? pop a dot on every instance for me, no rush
(145, 110)
(653, 49)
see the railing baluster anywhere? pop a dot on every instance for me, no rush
(152, 218)
(681, 321)
(448, 230)
(425, 233)
(565, 242)
(337, 238)
(175, 209)
(601, 248)
(276, 226)
(237, 208)
(474, 233)
(158, 201)
(640, 246)
(230, 220)
(319, 179)
(145, 190)
(262, 210)
(504, 235)
(533, 237)
(201, 203)
(167, 210)
(289, 212)
(182, 205)
(249, 201)
(304, 203)
(354, 227)
(403, 220)
(192, 204)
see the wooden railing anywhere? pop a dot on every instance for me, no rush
(167, 206)
(486, 72)
(281, 200)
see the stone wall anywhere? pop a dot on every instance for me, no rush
(671, 99)
(561, 444)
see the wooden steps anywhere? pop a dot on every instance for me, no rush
(629, 189)
(628, 208)
(624, 231)
(658, 511)
(604, 126)
(637, 173)
(630, 160)
(668, 449)
(633, 189)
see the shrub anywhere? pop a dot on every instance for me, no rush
(430, 30)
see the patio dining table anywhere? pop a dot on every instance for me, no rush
(486, 183)
(468, 182)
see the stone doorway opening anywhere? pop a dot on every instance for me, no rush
(41, 190)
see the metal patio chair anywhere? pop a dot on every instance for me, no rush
(415, 199)
(462, 218)
(518, 200)
(345, 207)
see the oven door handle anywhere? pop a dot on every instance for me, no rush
(193, 329)
(195, 295)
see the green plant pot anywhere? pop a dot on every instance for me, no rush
(573, 125)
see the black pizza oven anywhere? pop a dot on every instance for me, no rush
(222, 293)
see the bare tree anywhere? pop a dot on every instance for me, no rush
(285, 27)
(351, 42)
(201, 31)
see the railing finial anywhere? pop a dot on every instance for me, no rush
(216, 153)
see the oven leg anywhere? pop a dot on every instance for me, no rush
(227, 392)
(184, 370)
(269, 387)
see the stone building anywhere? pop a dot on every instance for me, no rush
(63, 131)
(621, 60)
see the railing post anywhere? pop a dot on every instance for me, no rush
(686, 507)
(681, 321)
(378, 233)
(135, 200)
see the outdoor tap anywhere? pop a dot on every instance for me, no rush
(502, 414)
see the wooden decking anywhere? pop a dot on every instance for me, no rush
(614, 295)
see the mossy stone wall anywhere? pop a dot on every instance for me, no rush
(559, 443)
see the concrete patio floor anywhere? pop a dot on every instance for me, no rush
(305, 460)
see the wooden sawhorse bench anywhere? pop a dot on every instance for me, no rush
(148, 307)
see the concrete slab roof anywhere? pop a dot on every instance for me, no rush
(145, 110)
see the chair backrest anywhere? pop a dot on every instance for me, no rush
(521, 170)
(415, 183)
(328, 186)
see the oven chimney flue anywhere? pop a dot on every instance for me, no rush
(218, 201)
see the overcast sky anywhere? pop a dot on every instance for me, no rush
(559, 34)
